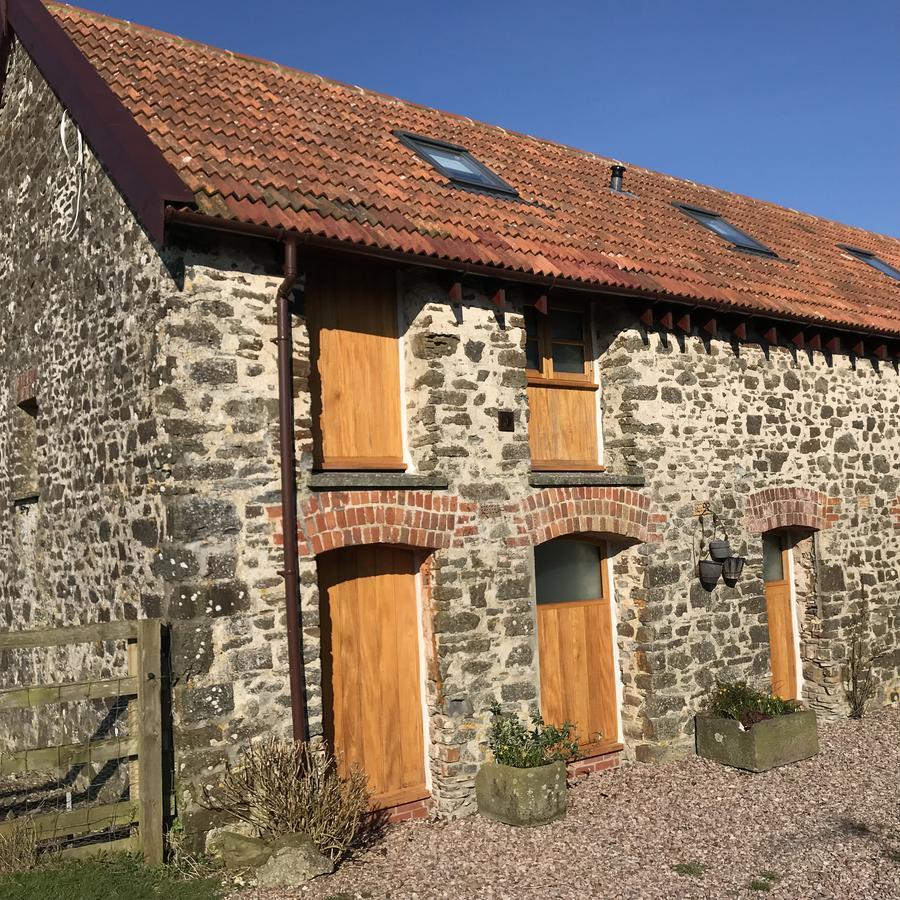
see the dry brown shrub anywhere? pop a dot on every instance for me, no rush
(18, 848)
(860, 681)
(284, 787)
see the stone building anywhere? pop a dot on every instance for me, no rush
(528, 387)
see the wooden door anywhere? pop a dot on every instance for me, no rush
(782, 641)
(575, 642)
(370, 668)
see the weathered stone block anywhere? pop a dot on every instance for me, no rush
(295, 860)
(772, 742)
(521, 796)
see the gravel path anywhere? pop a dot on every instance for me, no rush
(825, 828)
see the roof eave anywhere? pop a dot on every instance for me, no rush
(194, 219)
(137, 167)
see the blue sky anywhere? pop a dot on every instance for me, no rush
(796, 101)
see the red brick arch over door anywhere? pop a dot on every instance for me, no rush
(789, 507)
(335, 519)
(555, 512)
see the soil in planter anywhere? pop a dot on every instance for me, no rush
(749, 719)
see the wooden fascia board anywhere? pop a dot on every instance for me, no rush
(135, 164)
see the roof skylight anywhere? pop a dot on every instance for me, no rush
(456, 163)
(872, 260)
(722, 227)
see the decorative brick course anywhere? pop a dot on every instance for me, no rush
(584, 767)
(26, 386)
(406, 812)
(783, 507)
(597, 510)
(336, 519)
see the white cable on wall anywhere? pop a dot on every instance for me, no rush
(75, 162)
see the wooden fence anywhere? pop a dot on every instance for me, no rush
(142, 813)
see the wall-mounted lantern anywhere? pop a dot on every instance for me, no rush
(722, 563)
(732, 568)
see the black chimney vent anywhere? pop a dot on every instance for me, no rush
(616, 174)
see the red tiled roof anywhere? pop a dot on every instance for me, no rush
(267, 145)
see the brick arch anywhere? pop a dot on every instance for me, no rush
(335, 519)
(784, 507)
(555, 512)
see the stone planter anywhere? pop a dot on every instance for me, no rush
(770, 743)
(521, 796)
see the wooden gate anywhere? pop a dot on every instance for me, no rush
(371, 675)
(139, 818)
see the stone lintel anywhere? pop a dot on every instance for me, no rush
(584, 479)
(337, 481)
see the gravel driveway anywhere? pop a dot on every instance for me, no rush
(827, 827)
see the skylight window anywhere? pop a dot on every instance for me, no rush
(722, 227)
(872, 260)
(456, 163)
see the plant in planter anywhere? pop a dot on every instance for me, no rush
(525, 784)
(752, 730)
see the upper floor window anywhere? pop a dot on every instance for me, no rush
(456, 163)
(562, 395)
(355, 351)
(722, 227)
(872, 260)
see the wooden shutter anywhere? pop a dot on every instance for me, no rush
(562, 427)
(370, 668)
(352, 316)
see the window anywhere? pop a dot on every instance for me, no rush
(872, 260)
(562, 395)
(568, 571)
(773, 557)
(456, 163)
(352, 318)
(723, 228)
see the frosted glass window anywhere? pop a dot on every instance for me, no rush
(773, 561)
(567, 571)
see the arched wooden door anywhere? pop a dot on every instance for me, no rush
(576, 642)
(371, 680)
(779, 608)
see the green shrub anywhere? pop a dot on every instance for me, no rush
(737, 700)
(514, 744)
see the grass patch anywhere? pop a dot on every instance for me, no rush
(106, 878)
(764, 881)
(690, 868)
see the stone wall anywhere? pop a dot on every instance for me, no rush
(78, 352)
(138, 447)
(770, 437)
